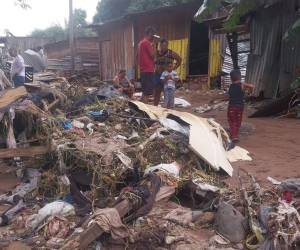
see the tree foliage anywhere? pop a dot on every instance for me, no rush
(58, 32)
(239, 9)
(144, 5)
(55, 32)
(22, 3)
(112, 9)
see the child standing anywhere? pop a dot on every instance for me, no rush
(169, 78)
(236, 104)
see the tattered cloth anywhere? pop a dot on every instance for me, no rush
(109, 221)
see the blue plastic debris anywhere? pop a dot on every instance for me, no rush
(67, 125)
(99, 116)
(69, 198)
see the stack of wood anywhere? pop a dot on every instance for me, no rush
(18, 118)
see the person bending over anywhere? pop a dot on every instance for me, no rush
(124, 85)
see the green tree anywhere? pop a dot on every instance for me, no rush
(80, 24)
(56, 32)
(80, 18)
(144, 5)
(111, 9)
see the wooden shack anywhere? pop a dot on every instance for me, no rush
(119, 38)
(86, 55)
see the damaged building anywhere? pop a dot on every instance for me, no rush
(201, 54)
(86, 52)
(273, 59)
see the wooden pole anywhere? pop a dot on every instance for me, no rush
(71, 35)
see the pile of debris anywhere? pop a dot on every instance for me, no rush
(99, 170)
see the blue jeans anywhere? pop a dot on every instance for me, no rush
(19, 81)
(169, 97)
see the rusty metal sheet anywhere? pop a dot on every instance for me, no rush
(273, 62)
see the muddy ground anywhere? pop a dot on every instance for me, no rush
(274, 144)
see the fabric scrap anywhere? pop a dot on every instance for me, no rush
(109, 221)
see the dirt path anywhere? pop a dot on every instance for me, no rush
(274, 145)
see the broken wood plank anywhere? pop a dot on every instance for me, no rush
(9, 96)
(93, 232)
(7, 153)
(53, 104)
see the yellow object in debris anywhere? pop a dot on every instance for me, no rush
(181, 48)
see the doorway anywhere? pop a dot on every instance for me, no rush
(199, 49)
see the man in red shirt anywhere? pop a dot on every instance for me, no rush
(146, 59)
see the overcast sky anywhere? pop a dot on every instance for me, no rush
(42, 14)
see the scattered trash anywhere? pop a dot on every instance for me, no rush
(219, 240)
(291, 185)
(183, 216)
(67, 125)
(24, 188)
(144, 175)
(204, 187)
(100, 116)
(90, 127)
(273, 181)
(124, 159)
(238, 154)
(173, 169)
(180, 102)
(77, 124)
(208, 147)
(60, 208)
(202, 109)
(175, 126)
(57, 227)
(206, 108)
(110, 222)
(230, 223)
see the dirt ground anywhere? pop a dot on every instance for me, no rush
(274, 144)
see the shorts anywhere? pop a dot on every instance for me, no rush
(147, 81)
(158, 82)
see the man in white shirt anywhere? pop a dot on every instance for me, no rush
(4, 82)
(17, 71)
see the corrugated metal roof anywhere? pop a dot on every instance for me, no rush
(272, 62)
